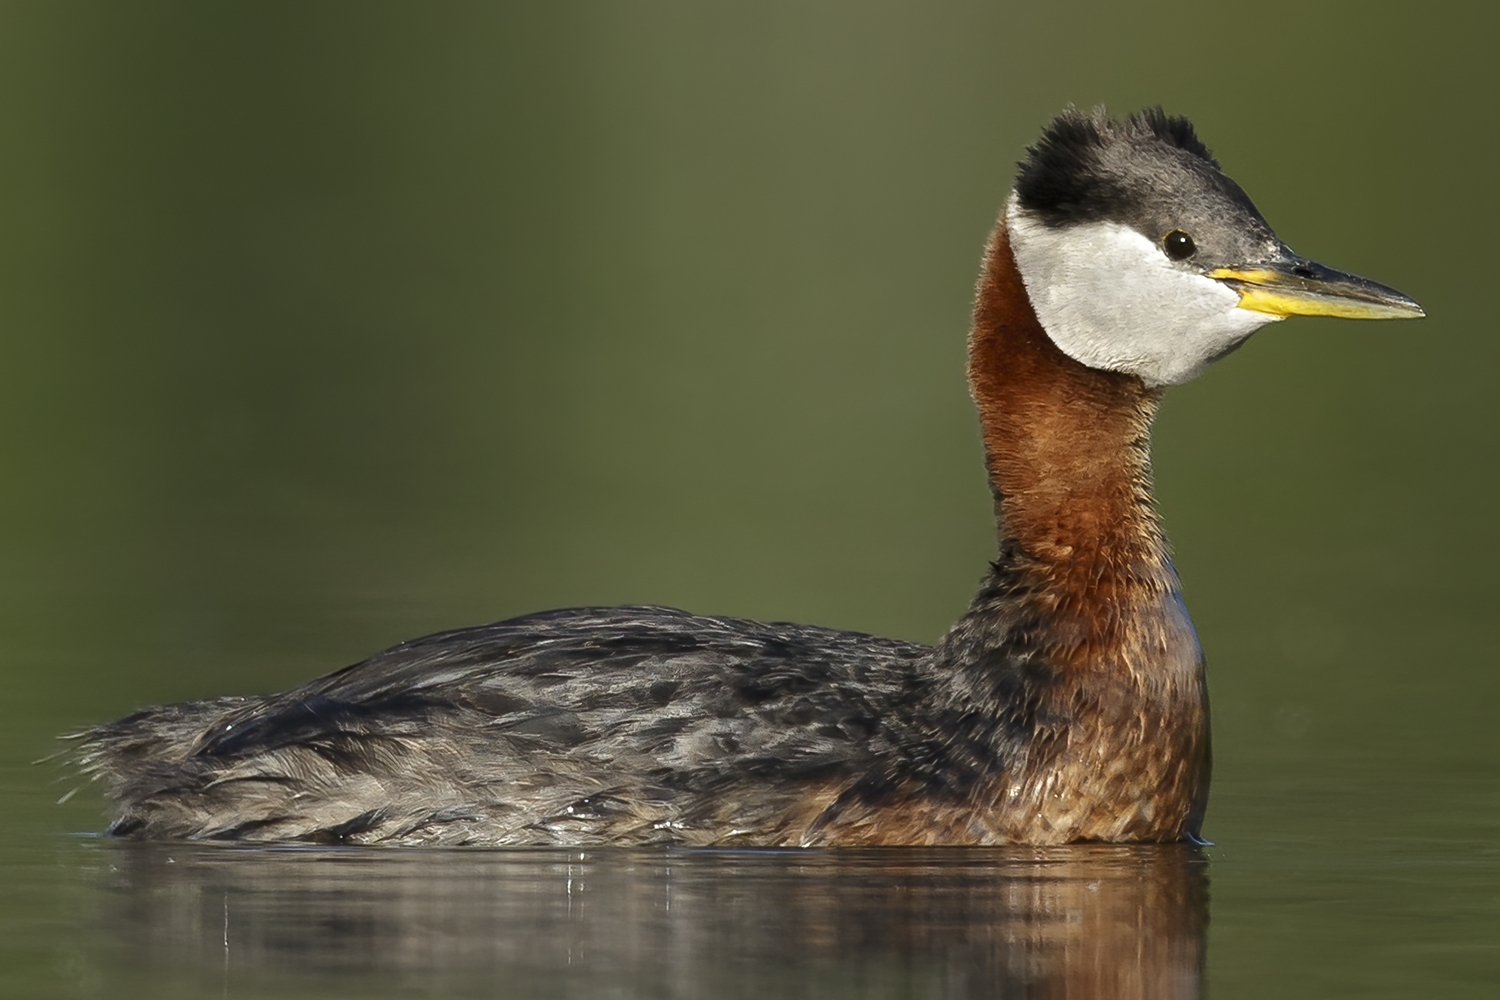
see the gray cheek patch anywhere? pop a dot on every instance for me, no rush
(1110, 299)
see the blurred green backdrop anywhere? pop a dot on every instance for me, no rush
(327, 325)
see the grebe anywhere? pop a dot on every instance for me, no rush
(1068, 704)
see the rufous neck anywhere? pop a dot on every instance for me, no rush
(1066, 446)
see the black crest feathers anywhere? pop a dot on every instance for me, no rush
(1074, 171)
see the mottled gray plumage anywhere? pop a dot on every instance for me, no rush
(631, 725)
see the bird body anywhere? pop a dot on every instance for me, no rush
(1068, 704)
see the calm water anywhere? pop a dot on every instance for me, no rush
(1107, 922)
(324, 326)
(1291, 914)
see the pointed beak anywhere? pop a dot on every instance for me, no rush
(1294, 286)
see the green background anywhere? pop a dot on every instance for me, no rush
(327, 325)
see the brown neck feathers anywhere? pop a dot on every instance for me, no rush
(1067, 448)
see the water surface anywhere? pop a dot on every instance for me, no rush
(1105, 922)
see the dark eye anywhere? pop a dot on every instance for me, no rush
(1179, 245)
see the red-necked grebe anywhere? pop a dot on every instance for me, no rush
(1067, 704)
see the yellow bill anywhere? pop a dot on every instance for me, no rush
(1293, 286)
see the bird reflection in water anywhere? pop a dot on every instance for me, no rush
(1088, 921)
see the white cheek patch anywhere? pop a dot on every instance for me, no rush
(1109, 298)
